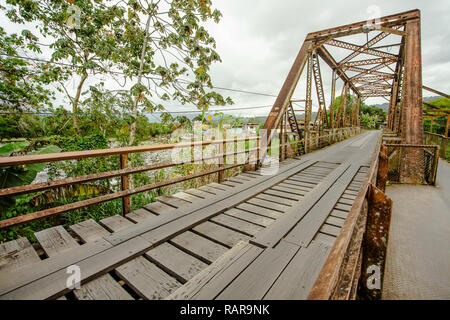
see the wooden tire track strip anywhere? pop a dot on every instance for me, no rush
(47, 278)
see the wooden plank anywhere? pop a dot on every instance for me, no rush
(326, 165)
(102, 288)
(185, 196)
(299, 276)
(338, 222)
(210, 190)
(140, 215)
(310, 186)
(355, 189)
(346, 201)
(242, 178)
(347, 196)
(258, 277)
(276, 199)
(15, 254)
(165, 227)
(220, 234)
(250, 175)
(235, 180)
(175, 262)
(116, 223)
(221, 279)
(311, 176)
(283, 195)
(89, 230)
(282, 188)
(55, 240)
(211, 280)
(331, 230)
(219, 186)
(315, 174)
(245, 227)
(351, 192)
(303, 233)
(343, 207)
(172, 201)
(231, 183)
(158, 208)
(262, 221)
(149, 281)
(294, 186)
(325, 238)
(339, 214)
(310, 181)
(199, 193)
(54, 285)
(29, 273)
(198, 246)
(259, 210)
(279, 229)
(268, 204)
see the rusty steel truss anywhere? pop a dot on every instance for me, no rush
(391, 70)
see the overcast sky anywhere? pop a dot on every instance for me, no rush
(258, 41)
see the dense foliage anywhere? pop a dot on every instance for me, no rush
(439, 123)
(371, 116)
(80, 75)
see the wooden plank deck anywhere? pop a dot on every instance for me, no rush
(254, 236)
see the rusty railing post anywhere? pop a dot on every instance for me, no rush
(258, 146)
(221, 174)
(125, 183)
(435, 165)
(383, 166)
(375, 243)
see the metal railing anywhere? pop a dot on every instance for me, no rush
(439, 140)
(253, 156)
(222, 157)
(428, 161)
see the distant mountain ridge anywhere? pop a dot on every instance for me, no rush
(385, 106)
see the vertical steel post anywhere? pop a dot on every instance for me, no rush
(411, 169)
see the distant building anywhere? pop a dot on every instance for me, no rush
(250, 128)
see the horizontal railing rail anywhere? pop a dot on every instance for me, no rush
(124, 173)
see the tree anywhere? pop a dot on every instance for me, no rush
(80, 34)
(23, 85)
(171, 44)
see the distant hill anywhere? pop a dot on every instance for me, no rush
(385, 106)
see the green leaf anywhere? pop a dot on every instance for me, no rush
(10, 147)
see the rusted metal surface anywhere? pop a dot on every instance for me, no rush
(383, 166)
(375, 243)
(412, 120)
(356, 27)
(427, 167)
(288, 88)
(348, 279)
